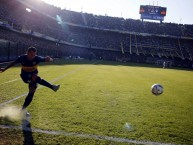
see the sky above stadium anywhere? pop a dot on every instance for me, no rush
(178, 11)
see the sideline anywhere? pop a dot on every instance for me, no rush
(81, 135)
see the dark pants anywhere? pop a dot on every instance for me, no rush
(33, 80)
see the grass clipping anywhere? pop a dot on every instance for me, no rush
(12, 113)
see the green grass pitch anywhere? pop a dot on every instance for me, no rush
(101, 102)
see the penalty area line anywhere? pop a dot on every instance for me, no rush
(81, 135)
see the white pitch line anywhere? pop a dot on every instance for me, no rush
(10, 81)
(90, 136)
(68, 73)
(56, 79)
(9, 101)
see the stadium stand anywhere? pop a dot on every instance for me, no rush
(61, 33)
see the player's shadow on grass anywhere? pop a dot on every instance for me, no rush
(27, 133)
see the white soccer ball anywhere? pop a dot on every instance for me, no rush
(157, 89)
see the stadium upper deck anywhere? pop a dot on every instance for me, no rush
(96, 33)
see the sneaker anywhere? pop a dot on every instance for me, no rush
(26, 114)
(55, 87)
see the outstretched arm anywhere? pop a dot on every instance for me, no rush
(7, 67)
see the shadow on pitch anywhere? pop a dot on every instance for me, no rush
(27, 133)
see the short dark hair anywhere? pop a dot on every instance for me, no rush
(32, 49)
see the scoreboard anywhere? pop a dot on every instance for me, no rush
(152, 12)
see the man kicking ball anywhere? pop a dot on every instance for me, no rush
(29, 73)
